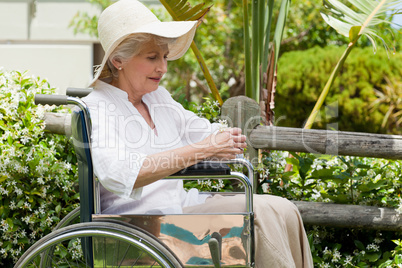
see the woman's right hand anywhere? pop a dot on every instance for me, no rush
(224, 145)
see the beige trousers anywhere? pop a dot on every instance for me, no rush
(280, 238)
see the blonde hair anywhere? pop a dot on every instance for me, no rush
(131, 46)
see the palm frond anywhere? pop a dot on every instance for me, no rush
(365, 13)
(180, 10)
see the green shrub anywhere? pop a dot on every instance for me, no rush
(37, 177)
(348, 180)
(351, 100)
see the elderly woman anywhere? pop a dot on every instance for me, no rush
(141, 135)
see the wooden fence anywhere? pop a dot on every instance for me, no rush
(245, 113)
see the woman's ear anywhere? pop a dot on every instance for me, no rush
(117, 63)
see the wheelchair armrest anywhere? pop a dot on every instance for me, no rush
(204, 168)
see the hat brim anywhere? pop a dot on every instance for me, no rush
(184, 31)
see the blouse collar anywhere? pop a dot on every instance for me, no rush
(112, 89)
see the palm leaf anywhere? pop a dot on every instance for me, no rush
(180, 10)
(353, 24)
(369, 13)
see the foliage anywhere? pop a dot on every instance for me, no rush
(353, 104)
(37, 170)
(305, 28)
(337, 179)
(351, 180)
(353, 22)
(82, 22)
(333, 247)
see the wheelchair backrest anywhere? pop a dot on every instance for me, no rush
(81, 141)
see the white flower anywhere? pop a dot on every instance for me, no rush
(265, 187)
(378, 240)
(25, 140)
(27, 206)
(18, 191)
(223, 126)
(327, 251)
(336, 256)
(348, 260)
(12, 205)
(373, 247)
(40, 181)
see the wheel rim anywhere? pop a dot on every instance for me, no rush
(110, 247)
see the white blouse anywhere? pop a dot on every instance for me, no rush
(121, 139)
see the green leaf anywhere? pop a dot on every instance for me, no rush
(359, 245)
(292, 161)
(371, 186)
(323, 174)
(10, 140)
(62, 251)
(20, 203)
(354, 33)
(10, 223)
(182, 11)
(372, 257)
(363, 13)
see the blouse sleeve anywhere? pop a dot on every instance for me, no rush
(115, 164)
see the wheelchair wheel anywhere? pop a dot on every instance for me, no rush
(98, 244)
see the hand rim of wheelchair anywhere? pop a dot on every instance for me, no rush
(134, 237)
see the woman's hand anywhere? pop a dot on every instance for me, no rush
(222, 145)
(225, 144)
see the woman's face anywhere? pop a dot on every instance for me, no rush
(142, 73)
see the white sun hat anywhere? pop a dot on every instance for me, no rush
(126, 17)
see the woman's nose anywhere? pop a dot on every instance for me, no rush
(162, 66)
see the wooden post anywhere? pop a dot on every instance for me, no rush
(244, 113)
(58, 123)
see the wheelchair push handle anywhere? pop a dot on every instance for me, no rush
(51, 99)
(78, 92)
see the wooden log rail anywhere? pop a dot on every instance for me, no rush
(350, 216)
(245, 113)
(327, 142)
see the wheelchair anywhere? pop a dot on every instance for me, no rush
(88, 238)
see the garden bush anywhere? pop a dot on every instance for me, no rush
(346, 180)
(354, 102)
(37, 170)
